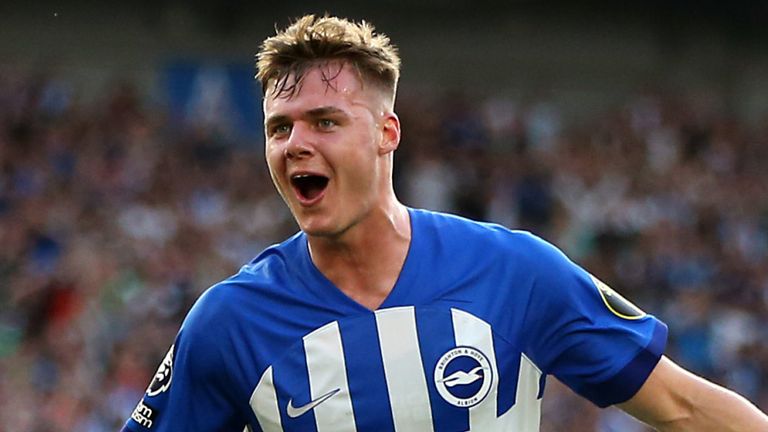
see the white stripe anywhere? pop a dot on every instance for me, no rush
(264, 403)
(327, 372)
(525, 415)
(406, 383)
(471, 331)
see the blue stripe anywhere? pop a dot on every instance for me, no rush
(362, 354)
(542, 385)
(508, 365)
(289, 384)
(436, 337)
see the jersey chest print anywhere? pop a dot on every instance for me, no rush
(403, 369)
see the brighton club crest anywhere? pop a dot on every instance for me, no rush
(463, 376)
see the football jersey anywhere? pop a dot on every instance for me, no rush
(477, 319)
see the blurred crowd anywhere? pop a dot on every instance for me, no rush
(113, 219)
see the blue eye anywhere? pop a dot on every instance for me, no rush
(326, 123)
(280, 130)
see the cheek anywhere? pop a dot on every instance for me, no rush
(275, 164)
(363, 169)
(272, 156)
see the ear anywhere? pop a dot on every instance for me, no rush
(390, 130)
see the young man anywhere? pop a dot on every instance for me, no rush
(377, 317)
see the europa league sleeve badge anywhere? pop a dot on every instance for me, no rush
(616, 303)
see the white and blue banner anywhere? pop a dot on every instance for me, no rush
(223, 97)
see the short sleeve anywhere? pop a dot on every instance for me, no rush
(587, 335)
(190, 390)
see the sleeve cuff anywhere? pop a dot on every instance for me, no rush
(622, 386)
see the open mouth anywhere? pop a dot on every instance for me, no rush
(309, 186)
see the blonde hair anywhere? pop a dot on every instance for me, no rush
(309, 41)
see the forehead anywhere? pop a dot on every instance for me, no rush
(322, 84)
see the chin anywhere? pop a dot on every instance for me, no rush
(324, 223)
(315, 228)
(319, 232)
(318, 229)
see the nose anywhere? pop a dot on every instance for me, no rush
(299, 143)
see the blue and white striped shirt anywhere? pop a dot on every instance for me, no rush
(477, 319)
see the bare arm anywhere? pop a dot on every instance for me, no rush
(673, 399)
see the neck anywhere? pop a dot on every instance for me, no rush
(365, 261)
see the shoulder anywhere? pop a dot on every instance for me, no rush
(487, 238)
(223, 304)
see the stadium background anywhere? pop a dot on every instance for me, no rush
(632, 135)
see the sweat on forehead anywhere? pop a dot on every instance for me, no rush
(290, 82)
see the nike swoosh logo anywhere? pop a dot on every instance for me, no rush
(294, 412)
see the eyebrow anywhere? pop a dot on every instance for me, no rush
(324, 110)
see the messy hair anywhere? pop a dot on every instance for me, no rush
(310, 41)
